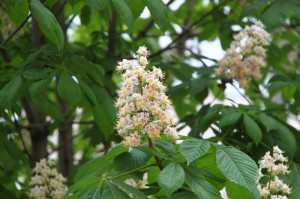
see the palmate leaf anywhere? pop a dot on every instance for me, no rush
(37, 87)
(200, 186)
(171, 178)
(236, 166)
(235, 191)
(137, 193)
(252, 129)
(192, 149)
(97, 4)
(47, 23)
(17, 10)
(11, 92)
(158, 12)
(230, 119)
(123, 11)
(165, 146)
(112, 191)
(134, 159)
(68, 89)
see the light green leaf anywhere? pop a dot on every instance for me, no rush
(93, 193)
(235, 191)
(111, 191)
(252, 129)
(134, 159)
(11, 92)
(192, 149)
(171, 178)
(68, 89)
(123, 11)
(165, 146)
(137, 193)
(97, 4)
(158, 12)
(200, 186)
(37, 87)
(47, 23)
(236, 166)
(230, 119)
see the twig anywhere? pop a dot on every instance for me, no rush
(16, 31)
(188, 30)
(17, 125)
(244, 96)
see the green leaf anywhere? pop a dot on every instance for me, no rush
(165, 146)
(136, 7)
(89, 93)
(171, 178)
(200, 186)
(97, 165)
(93, 193)
(287, 139)
(18, 10)
(192, 149)
(252, 129)
(11, 92)
(111, 191)
(97, 4)
(236, 166)
(137, 193)
(123, 11)
(37, 87)
(158, 12)
(68, 89)
(47, 23)
(102, 120)
(230, 119)
(295, 178)
(184, 195)
(134, 159)
(269, 122)
(235, 191)
(84, 187)
(36, 73)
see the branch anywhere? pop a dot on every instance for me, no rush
(143, 32)
(188, 30)
(16, 31)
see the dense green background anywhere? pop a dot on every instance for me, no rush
(54, 82)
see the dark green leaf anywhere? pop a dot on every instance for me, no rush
(235, 191)
(165, 146)
(18, 10)
(124, 11)
(230, 119)
(37, 87)
(200, 186)
(47, 23)
(11, 92)
(111, 191)
(158, 12)
(134, 159)
(97, 4)
(252, 129)
(137, 193)
(68, 89)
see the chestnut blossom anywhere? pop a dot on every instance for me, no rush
(47, 182)
(269, 168)
(144, 110)
(246, 55)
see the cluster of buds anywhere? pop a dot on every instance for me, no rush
(269, 168)
(246, 55)
(47, 182)
(144, 111)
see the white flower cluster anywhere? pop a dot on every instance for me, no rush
(269, 168)
(47, 183)
(246, 55)
(143, 108)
